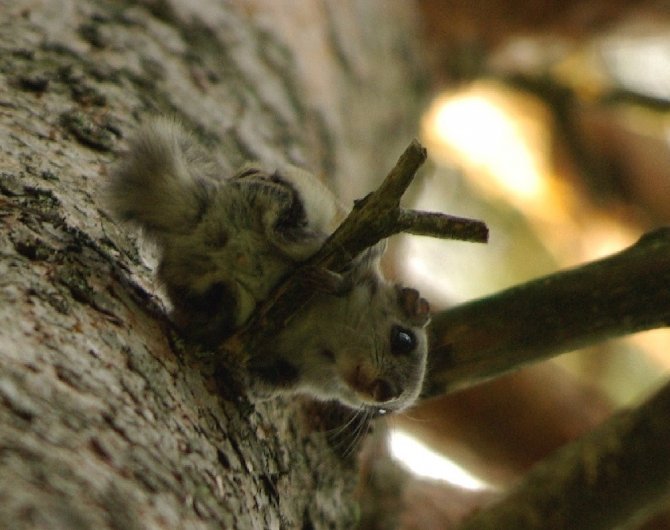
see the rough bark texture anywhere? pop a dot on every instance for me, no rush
(105, 422)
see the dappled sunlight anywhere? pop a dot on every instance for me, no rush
(425, 462)
(490, 141)
(640, 63)
(501, 141)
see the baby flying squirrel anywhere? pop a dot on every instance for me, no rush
(225, 243)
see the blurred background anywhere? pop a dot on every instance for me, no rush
(550, 121)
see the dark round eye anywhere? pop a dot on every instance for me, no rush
(403, 341)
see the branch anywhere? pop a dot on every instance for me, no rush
(624, 293)
(599, 482)
(438, 224)
(373, 218)
(378, 216)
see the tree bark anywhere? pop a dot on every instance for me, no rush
(104, 421)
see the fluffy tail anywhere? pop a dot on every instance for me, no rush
(161, 184)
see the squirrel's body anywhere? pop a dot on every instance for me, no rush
(225, 243)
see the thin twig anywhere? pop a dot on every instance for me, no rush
(378, 216)
(439, 224)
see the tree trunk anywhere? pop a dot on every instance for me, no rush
(106, 421)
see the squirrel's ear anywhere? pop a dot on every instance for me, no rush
(414, 308)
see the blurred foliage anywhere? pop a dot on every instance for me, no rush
(551, 122)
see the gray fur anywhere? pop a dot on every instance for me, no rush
(226, 242)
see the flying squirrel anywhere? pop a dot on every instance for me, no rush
(224, 243)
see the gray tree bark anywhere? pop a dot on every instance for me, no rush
(105, 422)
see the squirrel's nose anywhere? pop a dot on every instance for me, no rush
(383, 390)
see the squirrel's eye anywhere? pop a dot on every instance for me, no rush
(403, 341)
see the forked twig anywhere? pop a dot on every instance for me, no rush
(373, 218)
